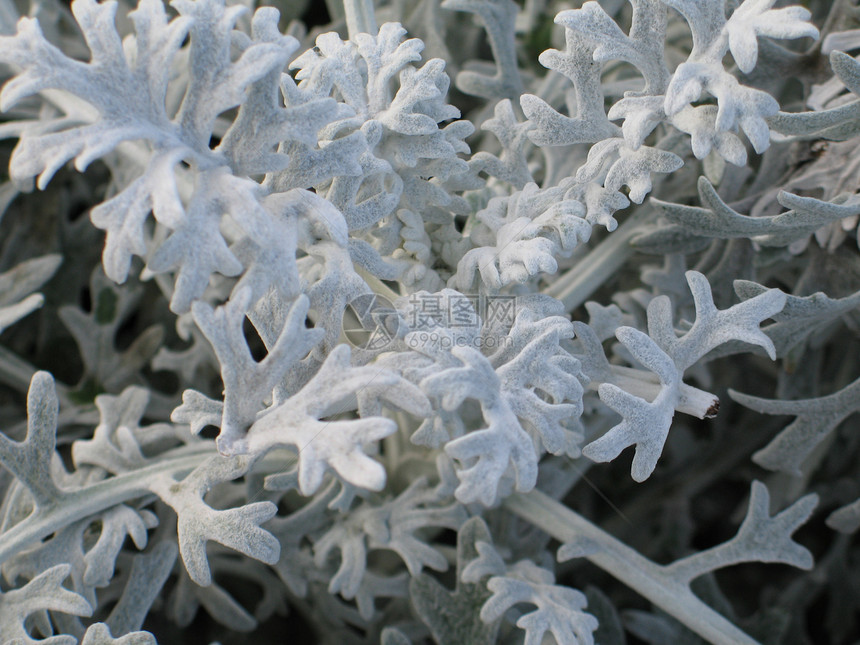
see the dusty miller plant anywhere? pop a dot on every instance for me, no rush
(323, 329)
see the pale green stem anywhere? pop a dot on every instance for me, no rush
(653, 581)
(577, 284)
(89, 500)
(646, 385)
(396, 441)
(335, 9)
(378, 286)
(15, 371)
(359, 17)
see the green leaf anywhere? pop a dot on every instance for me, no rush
(453, 616)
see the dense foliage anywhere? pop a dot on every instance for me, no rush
(338, 328)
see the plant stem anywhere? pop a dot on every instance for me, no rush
(89, 500)
(377, 285)
(359, 17)
(15, 371)
(578, 283)
(651, 580)
(335, 9)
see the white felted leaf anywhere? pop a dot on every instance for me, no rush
(737, 105)
(17, 285)
(641, 115)
(393, 524)
(845, 519)
(718, 220)
(646, 421)
(634, 168)
(99, 634)
(528, 387)
(108, 83)
(113, 446)
(117, 523)
(44, 592)
(493, 450)
(30, 460)
(559, 609)
(534, 362)
(499, 17)
(760, 538)
(512, 164)
(247, 383)
(767, 538)
(149, 572)
(337, 444)
(706, 19)
(643, 47)
(95, 333)
(121, 96)
(714, 327)
(532, 228)
(198, 523)
(756, 18)
(644, 424)
(586, 122)
(802, 317)
(816, 419)
(407, 157)
(441, 609)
